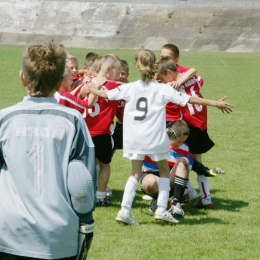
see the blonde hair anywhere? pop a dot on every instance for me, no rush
(71, 58)
(109, 60)
(145, 62)
(164, 64)
(97, 65)
(43, 65)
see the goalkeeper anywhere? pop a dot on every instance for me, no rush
(47, 162)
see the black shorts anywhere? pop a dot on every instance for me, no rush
(118, 136)
(103, 147)
(199, 141)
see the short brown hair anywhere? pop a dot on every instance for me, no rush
(145, 62)
(43, 66)
(90, 59)
(164, 64)
(179, 127)
(173, 48)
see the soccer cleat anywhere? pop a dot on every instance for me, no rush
(108, 191)
(104, 203)
(165, 217)
(191, 195)
(147, 197)
(214, 172)
(153, 206)
(126, 219)
(176, 210)
(200, 205)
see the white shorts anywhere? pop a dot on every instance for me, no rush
(154, 157)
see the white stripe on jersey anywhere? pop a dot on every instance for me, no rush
(58, 97)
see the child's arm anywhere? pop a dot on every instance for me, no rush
(95, 87)
(184, 77)
(220, 104)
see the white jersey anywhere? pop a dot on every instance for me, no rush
(38, 139)
(144, 115)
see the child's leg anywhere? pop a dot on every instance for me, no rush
(130, 187)
(103, 178)
(164, 186)
(203, 183)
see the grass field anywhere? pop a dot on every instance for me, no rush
(232, 229)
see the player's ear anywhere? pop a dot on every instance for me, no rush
(176, 60)
(85, 67)
(21, 75)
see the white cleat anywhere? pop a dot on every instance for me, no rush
(176, 210)
(126, 219)
(165, 217)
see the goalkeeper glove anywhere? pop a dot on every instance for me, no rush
(85, 239)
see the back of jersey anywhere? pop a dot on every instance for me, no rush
(38, 139)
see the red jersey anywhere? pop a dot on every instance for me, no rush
(68, 100)
(120, 111)
(101, 115)
(181, 69)
(194, 115)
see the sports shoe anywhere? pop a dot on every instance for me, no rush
(126, 219)
(104, 203)
(176, 210)
(108, 191)
(200, 205)
(191, 195)
(165, 217)
(153, 206)
(147, 197)
(214, 172)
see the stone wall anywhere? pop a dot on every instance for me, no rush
(198, 26)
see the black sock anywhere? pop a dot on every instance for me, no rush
(179, 188)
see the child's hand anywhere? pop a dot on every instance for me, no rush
(99, 82)
(175, 84)
(224, 106)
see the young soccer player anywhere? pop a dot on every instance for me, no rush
(180, 162)
(72, 63)
(196, 117)
(47, 167)
(99, 119)
(144, 130)
(118, 132)
(64, 97)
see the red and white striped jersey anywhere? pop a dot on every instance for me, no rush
(101, 115)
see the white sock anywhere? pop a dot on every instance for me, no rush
(163, 196)
(100, 195)
(129, 194)
(189, 187)
(204, 189)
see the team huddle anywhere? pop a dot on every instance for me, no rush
(55, 158)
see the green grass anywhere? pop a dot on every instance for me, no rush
(231, 231)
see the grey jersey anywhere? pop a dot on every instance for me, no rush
(38, 139)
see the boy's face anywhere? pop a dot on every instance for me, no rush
(123, 75)
(67, 82)
(168, 77)
(165, 53)
(114, 73)
(178, 141)
(73, 65)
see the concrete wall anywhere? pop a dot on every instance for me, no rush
(199, 26)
